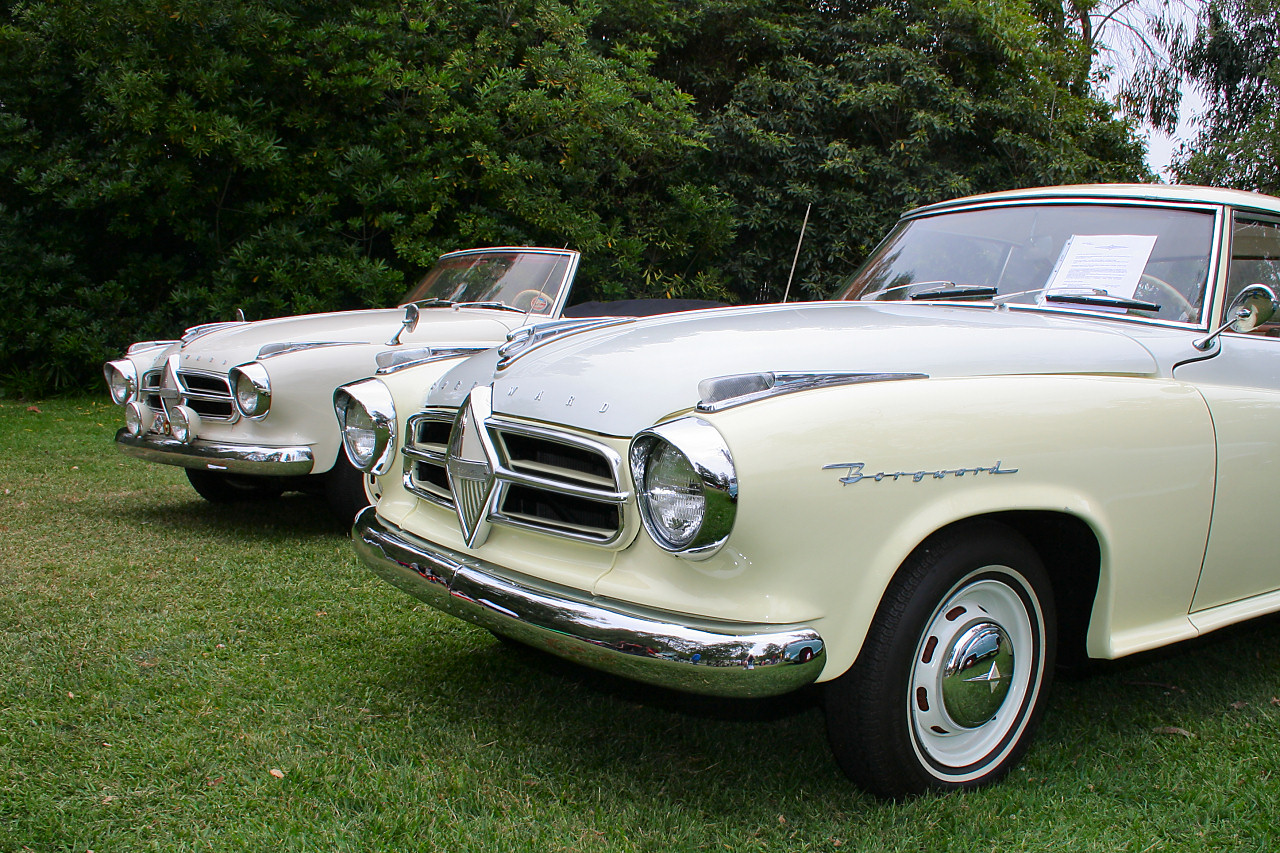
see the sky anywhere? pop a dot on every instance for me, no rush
(1161, 147)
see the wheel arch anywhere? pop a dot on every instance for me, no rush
(1071, 552)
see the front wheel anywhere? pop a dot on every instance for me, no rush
(955, 669)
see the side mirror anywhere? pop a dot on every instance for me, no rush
(411, 315)
(1252, 307)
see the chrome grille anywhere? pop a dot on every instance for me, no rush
(547, 481)
(151, 390)
(209, 394)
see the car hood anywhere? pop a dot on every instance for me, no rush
(620, 378)
(223, 346)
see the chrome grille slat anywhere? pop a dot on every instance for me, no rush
(547, 481)
(208, 394)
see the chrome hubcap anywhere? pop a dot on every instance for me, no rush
(976, 674)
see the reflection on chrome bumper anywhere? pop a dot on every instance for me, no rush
(715, 658)
(232, 458)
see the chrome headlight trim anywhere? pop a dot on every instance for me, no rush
(376, 403)
(250, 390)
(122, 380)
(708, 456)
(138, 418)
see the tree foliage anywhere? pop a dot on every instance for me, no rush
(188, 158)
(1233, 56)
(163, 162)
(864, 109)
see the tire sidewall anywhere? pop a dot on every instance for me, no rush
(869, 716)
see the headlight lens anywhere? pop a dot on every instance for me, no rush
(252, 390)
(367, 417)
(122, 380)
(672, 491)
(138, 418)
(358, 434)
(686, 486)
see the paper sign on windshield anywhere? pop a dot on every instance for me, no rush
(1112, 263)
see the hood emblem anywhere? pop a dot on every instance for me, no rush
(470, 466)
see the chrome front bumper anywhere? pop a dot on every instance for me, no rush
(699, 656)
(232, 458)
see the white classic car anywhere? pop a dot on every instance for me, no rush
(1034, 426)
(246, 408)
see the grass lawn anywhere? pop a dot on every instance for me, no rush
(181, 676)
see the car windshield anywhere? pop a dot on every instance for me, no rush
(523, 281)
(1138, 260)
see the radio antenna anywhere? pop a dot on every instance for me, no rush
(796, 259)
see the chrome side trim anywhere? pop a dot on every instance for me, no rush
(271, 350)
(724, 392)
(392, 361)
(143, 346)
(232, 458)
(526, 338)
(714, 658)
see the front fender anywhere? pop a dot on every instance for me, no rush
(1131, 457)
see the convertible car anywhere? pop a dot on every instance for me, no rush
(245, 407)
(1035, 426)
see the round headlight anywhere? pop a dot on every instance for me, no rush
(251, 389)
(672, 492)
(686, 486)
(358, 434)
(184, 424)
(367, 417)
(138, 418)
(122, 380)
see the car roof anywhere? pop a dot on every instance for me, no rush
(1182, 193)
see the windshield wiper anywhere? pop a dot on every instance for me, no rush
(489, 304)
(1102, 300)
(950, 290)
(433, 302)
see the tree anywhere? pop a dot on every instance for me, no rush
(164, 162)
(1233, 56)
(864, 109)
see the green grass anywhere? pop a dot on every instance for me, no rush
(160, 657)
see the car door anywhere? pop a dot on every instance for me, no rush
(1241, 384)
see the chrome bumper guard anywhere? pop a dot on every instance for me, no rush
(713, 658)
(232, 458)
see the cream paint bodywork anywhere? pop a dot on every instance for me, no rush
(1242, 386)
(1083, 446)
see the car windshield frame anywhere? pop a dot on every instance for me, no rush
(528, 280)
(1116, 257)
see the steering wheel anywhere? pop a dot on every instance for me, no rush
(530, 295)
(1189, 310)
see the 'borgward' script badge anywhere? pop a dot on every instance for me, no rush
(856, 473)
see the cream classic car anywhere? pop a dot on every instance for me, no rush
(1034, 426)
(246, 408)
